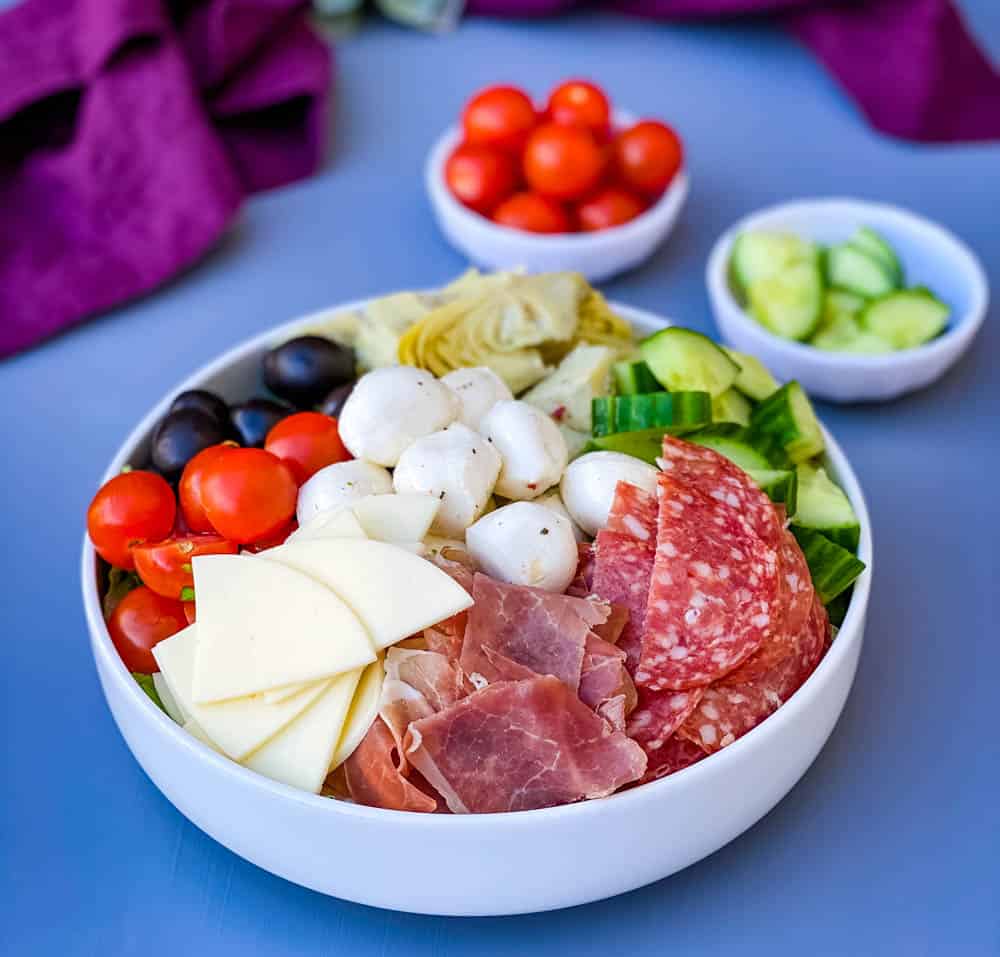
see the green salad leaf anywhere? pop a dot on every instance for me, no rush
(120, 583)
(146, 683)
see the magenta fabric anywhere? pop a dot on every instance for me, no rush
(130, 132)
(911, 65)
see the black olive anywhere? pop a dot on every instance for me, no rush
(203, 401)
(333, 404)
(252, 420)
(180, 436)
(304, 370)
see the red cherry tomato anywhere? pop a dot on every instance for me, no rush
(533, 213)
(610, 207)
(647, 156)
(306, 442)
(127, 510)
(563, 162)
(141, 620)
(480, 177)
(189, 611)
(248, 494)
(580, 103)
(165, 567)
(499, 116)
(189, 489)
(273, 541)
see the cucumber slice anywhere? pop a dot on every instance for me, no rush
(836, 608)
(825, 508)
(754, 381)
(856, 271)
(779, 485)
(633, 377)
(734, 443)
(731, 406)
(831, 567)
(905, 319)
(761, 254)
(790, 303)
(838, 303)
(682, 359)
(602, 415)
(874, 244)
(646, 445)
(787, 420)
(675, 412)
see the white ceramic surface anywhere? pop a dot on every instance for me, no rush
(597, 255)
(474, 864)
(931, 256)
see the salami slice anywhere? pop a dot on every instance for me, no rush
(658, 715)
(633, 513)
(621, 576)
(675, 755)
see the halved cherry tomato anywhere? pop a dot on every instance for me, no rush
(563, 162)
(189, 612)
(189, 489)
(647, 156)
(307, 442)
(141, 620)
(581, 103)
(533, 213)
(248, 494)
(610, 207)
(129, 509)
(166, 566)
(480, 177)
(500, 116)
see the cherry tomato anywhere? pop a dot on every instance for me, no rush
(189, 489)
(609, 207)
(533, 213)
(581, 103)
(499, 116)
(129, 509)
(563, 162)
(306, 442)
(141, 620)
(273, 541)
(248, 494)
(647, 156)
(166, 566)
(480, 177)
(189, 611)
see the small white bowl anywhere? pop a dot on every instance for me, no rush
(931, 256)
(598, 256)
(475, 863)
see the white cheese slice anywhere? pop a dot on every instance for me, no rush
(364, 708)
(238, 727)
(335, 523)
(170, 704)
(394, 592)
(300, 755)
(197, 731)
(263, 625)
(397, 518)
(274, 695)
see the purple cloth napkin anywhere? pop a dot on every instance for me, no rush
(911, 65)
(130, 131)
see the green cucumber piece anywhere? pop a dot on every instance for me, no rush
(675, 412)
(836, 608)
(832, 568)
(754, 381)
(761, 254)
(646, 445)
(779, 485)
(874, 244)
(789, 303)
(905, 319)
(786, 420)
(825, 508)
(682, 359)
(734, 443)
(633, 377)
(731, 406)
(853, 269)
(602, 415)
(838, 303)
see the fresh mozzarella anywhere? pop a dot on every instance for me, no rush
(525, 544)
(263, 625)
(553, 500)
(339, 522)
(340, 484)
(588, 487)
(478, 390)
(364, 708)
(394, 592)
(169, 702)
(390, 409)
(532, 448)
(457, 467)
(396, 518)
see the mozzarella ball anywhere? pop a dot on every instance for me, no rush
(552, 500)
(532, 448)
(525, 544)
(390, 409)
(478, 389)
(588, 487)
(340, 484)
(456, 466)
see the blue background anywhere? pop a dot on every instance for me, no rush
(890, 843)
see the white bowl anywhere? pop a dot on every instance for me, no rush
(597, 255)
(474, 864)
(931, 256)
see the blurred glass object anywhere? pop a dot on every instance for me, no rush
(436, 16)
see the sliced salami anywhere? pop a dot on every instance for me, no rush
(658, 715)
(633, 513)
(621, 576)
(675, 755)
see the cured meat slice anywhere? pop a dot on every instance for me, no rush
(621, 576)
(373, 777)
(430, 674)
(633, 513)
(605, 684)
(611, 631)
(582, 582)
(446, 641)
(714, 597)
(658, 715)
(516, 746)
(676, 754)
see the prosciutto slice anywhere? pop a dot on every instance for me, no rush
(520, 745)
(582, 582)
(373, 777)
(605, 684)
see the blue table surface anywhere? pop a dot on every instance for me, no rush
(889, 844)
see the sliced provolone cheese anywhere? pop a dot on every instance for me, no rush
(397, 518)
(263, 625)
(335, 523)
(197, 731)
(394, 592)
(364, 708)
(274, 695)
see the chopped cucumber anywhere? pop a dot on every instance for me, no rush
(682, 359)
(789, 303)
(731, 406)
(633, 377)
(754, 381)
(734, 443)
(825, 508)
(676, 412)
(874, 244)
(856, 271)
(787, 420)
(761, 254)
(836, 609)
(779, 485)
(646, 445)
(905, 319)
(838, 303)
(831, 567)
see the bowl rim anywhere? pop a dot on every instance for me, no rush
(959, 333)
(850, 632)
(441, 196)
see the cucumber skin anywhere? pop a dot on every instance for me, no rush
(774, 424)
(832, 568)
(780, 485)
(674, 412)
(874, 244)
(633, 377)
(825, 508)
